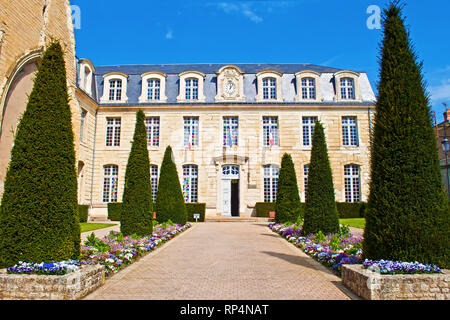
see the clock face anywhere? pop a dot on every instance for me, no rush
(230, 88)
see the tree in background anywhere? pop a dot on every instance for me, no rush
(39, 213)
(288, 204)
(169, 197)
(137, 203)
(320, 204)
(407, 216)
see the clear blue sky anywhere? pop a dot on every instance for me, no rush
(324, 32)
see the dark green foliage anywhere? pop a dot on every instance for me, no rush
(288, 205)
(169, 197)
(192, 208)
(264, 208)
(407, 217)
(320, 205)
(83, 211)
(351, 210)
(137, 204)
(39, 213)
(114, 211)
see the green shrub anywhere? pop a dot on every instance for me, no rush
(137, 213)
(39, 216)
(192, 208)
(264, 208)
(114, 211)
(288, 205)
(407, 217)
(350, 210)
(83, 211)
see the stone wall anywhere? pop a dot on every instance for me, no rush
(72, 286)
(374, 286)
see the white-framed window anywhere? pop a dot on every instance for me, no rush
(270, 131)
(190, 183)
(305, 176)
(82, 124)
(230, 132)
(191, 132)
(269, 88)
(115, 90)
(308, 124)
(110, 183)
(153, 89)
(230, 171)
(113, 126)
(154, 180)
(191, 89)
(86, 75)
(352, 183)
(349, 131)
(347, 86)
(152, 125)
(308, 89)
(271, 176)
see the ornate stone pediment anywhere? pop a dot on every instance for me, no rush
(230, 84)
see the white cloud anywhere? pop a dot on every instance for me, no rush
(169, 34)
(441, 92)
(240, 8)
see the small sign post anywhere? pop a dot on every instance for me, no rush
(196, 216)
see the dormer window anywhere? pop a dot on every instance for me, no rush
(86, 75)
(115, 88)
(308, 86)
(191, 87)
(153, 87)
(269, 86)
(347, 86)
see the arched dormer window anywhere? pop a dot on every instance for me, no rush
(308, 86)
(153, 87)
(347, 86)
(86, 76)
(191, 87)
(269, 86)
(115, 88)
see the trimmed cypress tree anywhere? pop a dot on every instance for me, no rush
(39, 213)
(288, 204)
(407, 216)
(137, 204)
(169, 197)
(320, 204)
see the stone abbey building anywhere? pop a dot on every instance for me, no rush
(228, 124)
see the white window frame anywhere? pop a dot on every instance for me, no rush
(270, 183)
(260, 81)
(191, 75)
(352, 183)
(191, 125)
(190, 183)
(306, 168)
(350, 136)
(153, 75)
(107, 78)
(110, 183)
(113, 131)
(272, 126)
(86, 75)
(299, 76)
(153, 126)
(338, 76)
(230, 130)
(154, 176)
(308, 130)
(83, 124)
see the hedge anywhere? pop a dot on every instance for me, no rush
(114, 211)
(192, 208)
(264, 208)
(351, 210)
(83, 212)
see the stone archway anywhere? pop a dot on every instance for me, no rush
(17, 91)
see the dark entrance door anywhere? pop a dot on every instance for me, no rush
(235, 198)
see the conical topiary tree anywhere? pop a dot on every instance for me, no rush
(169, 197)
(407, 217)
(288, 204)
(39, 216)
(320, 204)
(137, 204)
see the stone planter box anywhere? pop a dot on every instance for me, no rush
(72, 286)
(374, 286)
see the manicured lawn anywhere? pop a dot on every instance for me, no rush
(355, 222)
(86, 227)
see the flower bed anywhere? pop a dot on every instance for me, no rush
(332, 250)
(115, 251)
(49, 269)
(397, 267)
